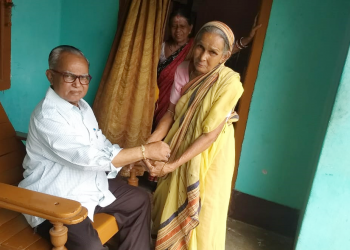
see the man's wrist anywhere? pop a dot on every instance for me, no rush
(143, 152)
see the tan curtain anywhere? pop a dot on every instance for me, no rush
(124, 103)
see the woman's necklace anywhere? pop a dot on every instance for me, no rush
(172, 49)
(175, 47)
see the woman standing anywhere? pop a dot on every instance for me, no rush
(174, 52)
(191, 200)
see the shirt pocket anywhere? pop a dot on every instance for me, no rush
(97, 138)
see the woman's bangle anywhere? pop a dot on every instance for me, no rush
(172, 112)
(143, 151)
(238, 46)
(241, 44)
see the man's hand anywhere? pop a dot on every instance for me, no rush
(158, 151)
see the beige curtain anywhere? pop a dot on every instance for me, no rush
(124, 103)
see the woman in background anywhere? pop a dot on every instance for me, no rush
(174, 52)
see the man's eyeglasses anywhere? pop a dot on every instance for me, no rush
(70, 78)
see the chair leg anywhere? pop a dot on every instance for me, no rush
(133, 180)
(58, 235)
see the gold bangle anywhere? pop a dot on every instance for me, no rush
(160, 174)
(143, 151)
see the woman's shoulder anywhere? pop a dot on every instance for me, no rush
(229, 76)
(229, 80)
(228, 72)
(183, 66)
(182, 75)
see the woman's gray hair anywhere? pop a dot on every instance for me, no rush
(215, 30)
(56, 52)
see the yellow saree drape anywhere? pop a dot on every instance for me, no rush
(191, 203)
(124, 103)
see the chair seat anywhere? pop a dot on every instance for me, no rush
(106, 226)
(15, 232)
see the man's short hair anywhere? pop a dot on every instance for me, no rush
(57, 51)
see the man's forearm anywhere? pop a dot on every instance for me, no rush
(127, 156)
(158, 151)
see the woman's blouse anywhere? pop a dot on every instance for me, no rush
(181, 78)
(162, 57)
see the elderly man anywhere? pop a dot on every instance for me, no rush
(68, 156)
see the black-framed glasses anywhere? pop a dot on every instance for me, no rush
(70, 78)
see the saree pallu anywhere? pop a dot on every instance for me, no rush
(165, 82)
(191, 203)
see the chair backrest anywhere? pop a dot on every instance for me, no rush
(12, 152)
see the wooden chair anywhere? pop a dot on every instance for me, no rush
(15, 232)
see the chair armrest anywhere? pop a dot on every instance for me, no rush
(42, 205)
(22, 136)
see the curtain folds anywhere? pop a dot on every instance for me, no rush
(124, 103)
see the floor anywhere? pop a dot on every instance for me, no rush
(241, 236)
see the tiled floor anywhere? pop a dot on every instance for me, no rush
(241, 236)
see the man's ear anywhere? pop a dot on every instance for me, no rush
(49, 76)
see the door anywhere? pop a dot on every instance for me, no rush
(5, 43)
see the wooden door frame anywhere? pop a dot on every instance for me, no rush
(5, 43)
(249, 81)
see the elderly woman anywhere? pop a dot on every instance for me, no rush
(191, 201)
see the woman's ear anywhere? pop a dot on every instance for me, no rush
(191, 28)
(49, 76)
(225, 56)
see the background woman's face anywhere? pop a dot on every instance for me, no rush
(208, 52)
(180, 29)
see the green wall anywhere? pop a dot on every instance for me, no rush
(37, 27)
(300, 69)
(299, 73)
(326, 221)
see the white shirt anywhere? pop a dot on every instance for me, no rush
(67, 155)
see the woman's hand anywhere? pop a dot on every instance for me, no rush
(244, 41)
(158, 168)
(152, 138)
(248, 39)
(255, 28)
(158, 151)
(164, 125)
